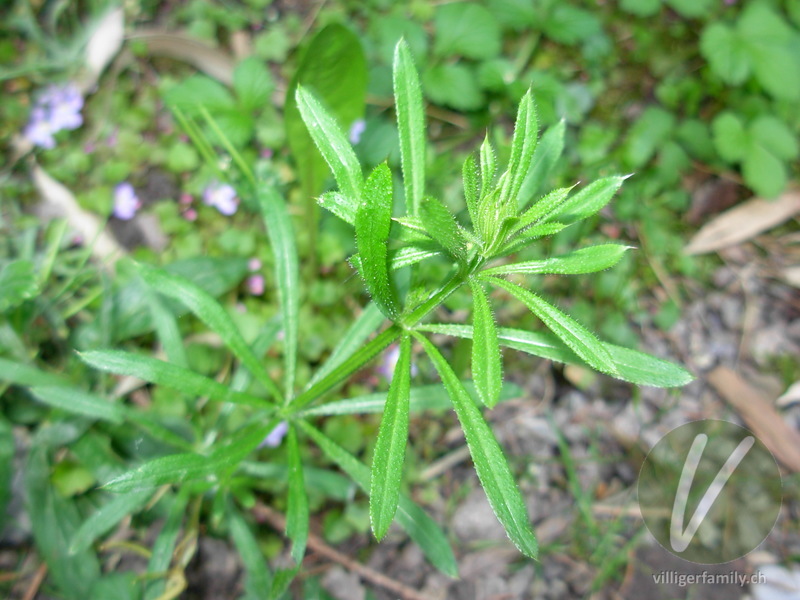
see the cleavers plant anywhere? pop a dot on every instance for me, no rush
(391, 258)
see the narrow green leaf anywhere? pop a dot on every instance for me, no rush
(490, 462)
(632, 366)
(280, 583)
(488, 166)
(411, 125)
(469, 175)
(208, 310)
(340, 205)
(543, 206)
(585, 260)
(7, 468)
(332, 143)
(165, 543)
(526, 237)
(441, 225)
(400, 258)
(545, 157)
(390, 449)
(101, 521)
(487, 363)
(166, 374)
(167, 329)
(258, 578)
(373, 222)
(80, 403)
(572, 333)
(523, 144)
(587, 201)
(424, 397)
(22, 374)
(287, 274)
(416, 523)
(18, 282)
(370, 319)
(297, 511)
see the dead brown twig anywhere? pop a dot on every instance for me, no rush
(315, 543)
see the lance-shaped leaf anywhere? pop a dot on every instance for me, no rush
(415, 521)
(208, 310)
(587, 201)
(340, 205)
(297, 511)
(573, 334)
(258, 577)
(78, 402)
(410, 125)
(164, 546)
(523, 144)
(487, 363)
(490, 462)
(542, 207)
(441, 225)
(166, 374)
(632, 366)
(332, 143)
(585, 260)
(520, 241)
(287, 274)
(469, 175)
(107, 516)
(400, 258)
(545, 157)
(373, 222)
(390, 449)
(488, 166)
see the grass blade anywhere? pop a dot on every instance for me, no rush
(585, 260)
(582, 341)
(416, 523)
(102, 520)
(390, 449)
(490, 462)
(297, 511)
(287, 274)
(487, 362)
(258, 578)
(411, 125)
(166, 374)
(208, 310)
(332, 143)
(373, 222)
(441, 225)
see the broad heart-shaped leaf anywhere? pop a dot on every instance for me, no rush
(390, 449)
(545, 157)
(297, 511)
(166, 374)
(334, 69)
(441, 225)
(632, 366)
(730, 137)
(572, 333)
(410, 124)
(763, 171)
(416, 523)
(425, 397)
(487, 363)
(373, 223)
(331, 142)
(523, 144)
(466, 29)
(490, 462)
(253, 83)
(585, 260)
(78, 402)
(258, 578)
(287, 274)
(587, 201)
(107, 516)
(213, 315)
(775, 136)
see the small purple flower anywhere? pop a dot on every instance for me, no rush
(255, 285)
(358, 127)
(389, 362)
(275, 437)
(254, 264)
(58, 108)
(190, 214)
(222, 196)
(126, 203)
